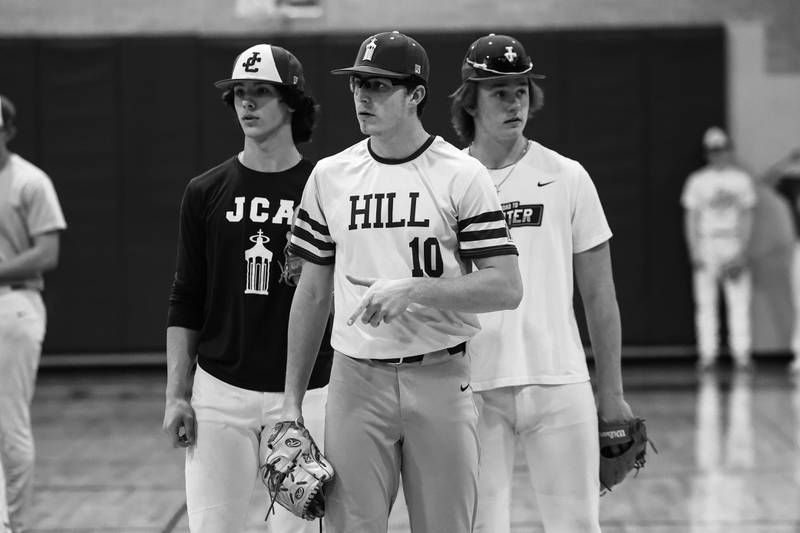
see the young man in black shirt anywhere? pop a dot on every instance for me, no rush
(229, 306)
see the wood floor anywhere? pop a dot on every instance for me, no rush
(728, 461)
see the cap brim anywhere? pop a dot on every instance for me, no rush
(370, 70)
(506, 76)
(227, 84)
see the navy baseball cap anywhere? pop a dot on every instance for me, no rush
(496, 56)
(267, 63)
(390, 55)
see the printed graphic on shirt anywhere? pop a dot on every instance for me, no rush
(258, 259)
(375, 217)
(258, 211)
(518, 215)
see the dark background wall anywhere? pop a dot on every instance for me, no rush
(122, 124)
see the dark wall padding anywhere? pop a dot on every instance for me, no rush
(121, 125)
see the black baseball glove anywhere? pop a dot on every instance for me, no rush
(622, 449)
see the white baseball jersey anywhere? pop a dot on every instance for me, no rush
(553, 211)
(28, 207)
(720, 196)
(426, 215)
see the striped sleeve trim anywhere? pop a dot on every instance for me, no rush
(312, 238)
(483, 231)
(491, 251)
(496, 233)
(322, 229)
(304, 235)
(491, 216)
(308, 256)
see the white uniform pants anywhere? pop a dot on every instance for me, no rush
(737, 291)
(222, 468)
(22, 327)
(557, 428)
(415, 421)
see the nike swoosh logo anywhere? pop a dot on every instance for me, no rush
(464, 387)
(540, 184)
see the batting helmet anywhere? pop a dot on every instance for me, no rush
(496, 56)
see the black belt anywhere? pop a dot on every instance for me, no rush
(417, 358)
(15, 286)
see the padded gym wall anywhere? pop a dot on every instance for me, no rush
(122, 124)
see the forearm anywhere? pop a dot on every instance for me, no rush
(181, 358)
(690, 228)
(307, 320)
(605, 333)
(28, 264)
(482, 291)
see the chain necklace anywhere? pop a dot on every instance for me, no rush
(511, 167)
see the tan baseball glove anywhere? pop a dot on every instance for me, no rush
(295, 471)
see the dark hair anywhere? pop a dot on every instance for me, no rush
(9, 112)
(410, 84)
(466, 98)
(305, 110)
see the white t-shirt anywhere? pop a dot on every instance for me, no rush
(28, 207)
(720, 197)
(427, 215)
(553, 211)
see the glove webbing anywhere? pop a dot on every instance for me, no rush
(271, 508)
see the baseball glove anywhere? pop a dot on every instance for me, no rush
(295, 471)
(622, 448)
(292, 265)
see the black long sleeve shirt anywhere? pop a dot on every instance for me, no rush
(231, 239)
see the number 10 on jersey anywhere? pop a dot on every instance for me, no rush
(431, 257)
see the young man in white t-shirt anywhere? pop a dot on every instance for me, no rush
(391, 228)
(529, 367)
(719, 200)
(31, 222)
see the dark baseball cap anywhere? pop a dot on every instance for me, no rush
(267, 63)
(494, 57)
(391, 55)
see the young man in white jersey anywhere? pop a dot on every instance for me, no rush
(229, 305)
(391, 227)
(529, 367)
(718, 200)
(31, 222)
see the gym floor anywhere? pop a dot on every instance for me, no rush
(728, 454)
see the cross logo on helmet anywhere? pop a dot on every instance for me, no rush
(510, 54)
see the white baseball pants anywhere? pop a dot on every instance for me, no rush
(415, 421)
(22, 327)
(715, 254)
(557, 428)
(222, 468)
